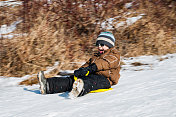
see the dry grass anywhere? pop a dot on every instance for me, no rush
(9, 14)
(154, 34)
(66, 32)
(138, 64)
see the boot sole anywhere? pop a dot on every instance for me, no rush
(77, 88)
(42, 86)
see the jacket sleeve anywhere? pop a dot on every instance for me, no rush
(108, 62)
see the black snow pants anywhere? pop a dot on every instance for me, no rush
(63, 84)
(94, 82)
(59, 84)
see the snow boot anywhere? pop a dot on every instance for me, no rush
(77, 89)
(43, 82)
(87, 84)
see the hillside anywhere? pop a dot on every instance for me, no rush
(143, 91)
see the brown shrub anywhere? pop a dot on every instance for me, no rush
(153, 34)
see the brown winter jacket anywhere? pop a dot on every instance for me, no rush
(108, 64)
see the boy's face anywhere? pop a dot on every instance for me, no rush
(102, 48)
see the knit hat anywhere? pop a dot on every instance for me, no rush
(106, 38)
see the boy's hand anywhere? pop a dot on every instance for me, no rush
(85, 71)
(81, 72)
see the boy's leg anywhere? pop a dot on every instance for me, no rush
(59, 84)
(94, 82)
(54, 84)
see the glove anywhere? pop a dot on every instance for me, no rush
(85, 71)
(80, 72)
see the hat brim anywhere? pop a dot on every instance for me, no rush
(104, 42)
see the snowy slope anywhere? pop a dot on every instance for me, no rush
(143, 91)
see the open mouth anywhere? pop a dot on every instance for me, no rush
(101, 51)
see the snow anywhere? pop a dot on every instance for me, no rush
(6, 31)
(128, 5)
(150, 92)
(111, 23)
(10, 3)
(132, 20)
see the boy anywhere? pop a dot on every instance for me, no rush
(100, 72)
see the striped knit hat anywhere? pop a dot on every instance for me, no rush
(106, 38)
